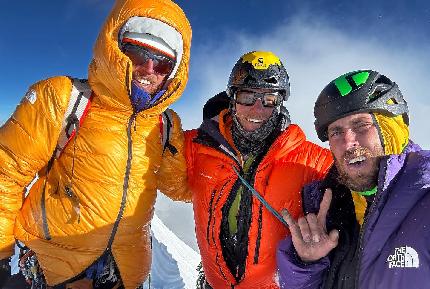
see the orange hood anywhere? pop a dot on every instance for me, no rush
(110, 71)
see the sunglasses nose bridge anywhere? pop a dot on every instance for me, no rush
(262, 97)
(259, 95)
(150, 64)
(161, 64)
(153, 62)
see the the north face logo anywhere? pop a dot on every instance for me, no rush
(403, 257)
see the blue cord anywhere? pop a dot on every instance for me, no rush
(261, 199)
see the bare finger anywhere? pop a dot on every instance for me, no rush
(324, 207)
(315, 228)
(334, 237)
(292, 224)
(305, 230)
(294, 228)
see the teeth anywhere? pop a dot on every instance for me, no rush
(357, 159)
(144, 81)
(255, 120)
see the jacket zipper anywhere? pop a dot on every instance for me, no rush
(361, 236)
(128, 167)
(239, 163)
(125, 184)
(381, 181)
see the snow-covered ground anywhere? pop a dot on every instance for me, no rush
(173, 262)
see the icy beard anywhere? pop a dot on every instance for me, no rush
(253, 141)
(365, 180)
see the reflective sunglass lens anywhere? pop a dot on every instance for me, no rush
(269, 99)
(140, 56)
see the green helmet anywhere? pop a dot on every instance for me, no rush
(259, 69)
(355, 92)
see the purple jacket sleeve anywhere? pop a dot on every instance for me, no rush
(293, 273)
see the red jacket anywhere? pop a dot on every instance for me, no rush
(290, 163)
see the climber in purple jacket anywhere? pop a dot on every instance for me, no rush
(367, 224)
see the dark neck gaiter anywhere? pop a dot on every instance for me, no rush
(253, 142)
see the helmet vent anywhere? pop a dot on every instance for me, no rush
(392, 101)
(271, 80)
(378, 90)
(383, 80)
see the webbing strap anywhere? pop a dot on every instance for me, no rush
(166, 132)
(261, 199)
(76, 109)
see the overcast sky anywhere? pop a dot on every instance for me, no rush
(316, 40)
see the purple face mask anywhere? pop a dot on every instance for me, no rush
(140, 99)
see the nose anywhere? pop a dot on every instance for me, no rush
(147, 66)
(258, 105)
(350, 138)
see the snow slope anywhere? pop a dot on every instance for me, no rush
(173, 262)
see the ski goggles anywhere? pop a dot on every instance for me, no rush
(140, 55)
(268, 99)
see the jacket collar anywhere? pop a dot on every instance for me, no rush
(215, 133)
(110, 71)
(394, 200)
(391, 165)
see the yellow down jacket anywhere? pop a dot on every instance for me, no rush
(113, 166)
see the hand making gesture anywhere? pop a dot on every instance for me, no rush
(309, 233)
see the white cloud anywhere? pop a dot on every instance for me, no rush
(314, 53)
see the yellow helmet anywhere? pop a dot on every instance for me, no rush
(259, 69)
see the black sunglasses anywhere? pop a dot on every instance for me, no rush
(268, 99)
(140, 55)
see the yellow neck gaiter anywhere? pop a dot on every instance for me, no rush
(394, 134)
(393, 131)
(360, 206)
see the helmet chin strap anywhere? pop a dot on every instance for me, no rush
(141, 99)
